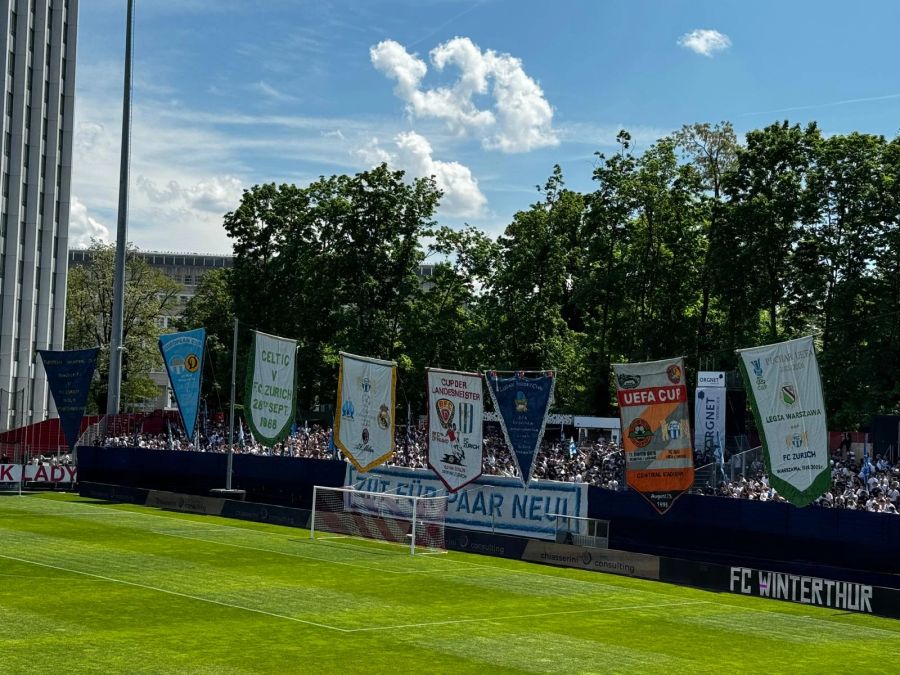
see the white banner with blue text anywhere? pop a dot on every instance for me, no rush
(489, 504)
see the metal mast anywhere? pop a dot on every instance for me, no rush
(118, 310)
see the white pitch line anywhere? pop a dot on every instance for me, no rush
(492, 619)
(452, 562)
(176, 593)
(108, 510)
(285, 553)
(243, 530)
(829, 622)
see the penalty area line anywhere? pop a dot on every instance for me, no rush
(493, 619)
(176, 593)
(215, 527)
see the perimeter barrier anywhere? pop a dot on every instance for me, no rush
(820, 542)
(794, 583)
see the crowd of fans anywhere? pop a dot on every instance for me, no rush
(49, 460)
(863, 485)
(598, 462)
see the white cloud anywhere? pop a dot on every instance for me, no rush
(215, 195)
(188, 168)
(394, 61)
(520, 119)
(372, 153)
(83, 227)
(705, 41)
(413, 154)
(179, 192)
(271, 92)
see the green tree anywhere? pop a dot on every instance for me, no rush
(600, 289)
(834, 286)
(662, 255)
(767, 199)
(535, 322)
(712, 149)
(447, 323)
(645, 241)
(880, 330)
(333, 265)
(149, 294)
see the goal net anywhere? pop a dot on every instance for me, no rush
(579, 531)
(416, 522)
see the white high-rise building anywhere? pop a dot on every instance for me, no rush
(38, 38)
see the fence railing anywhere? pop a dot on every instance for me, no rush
(20, 453)
(93, 433)
(741, 463)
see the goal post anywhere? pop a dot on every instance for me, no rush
(579, 531)
(417, 522)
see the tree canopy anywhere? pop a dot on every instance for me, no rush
(149, 294)
(696, 246)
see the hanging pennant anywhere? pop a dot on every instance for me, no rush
(455, 412)
(69, 375)
(656, 432)
(270, 400)
(183, 355)
(364, 419)
(522, 404)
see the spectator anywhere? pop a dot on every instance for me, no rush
(597, 463)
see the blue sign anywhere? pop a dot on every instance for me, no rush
(522, 404)
(183, 356)
(69, 376)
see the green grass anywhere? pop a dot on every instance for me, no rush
(87, 586)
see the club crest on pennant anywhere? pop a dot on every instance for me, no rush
(673, 372)
(639, 432)
(521, 402)
(444, 408)
(788, 394)
(757, 367)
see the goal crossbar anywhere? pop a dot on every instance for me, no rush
(383, 516)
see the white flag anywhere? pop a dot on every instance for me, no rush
(364, 423)
(786, 396)
(270, 388)
(455, 412)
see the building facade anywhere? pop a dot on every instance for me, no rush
(186, 269)
(39, 39)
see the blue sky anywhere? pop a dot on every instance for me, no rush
(486, 95)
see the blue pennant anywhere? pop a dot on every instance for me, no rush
(522, 403)
(69, 376)
(183, 356)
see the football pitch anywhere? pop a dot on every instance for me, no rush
(88, 586)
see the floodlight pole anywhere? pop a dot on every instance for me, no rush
(234, 345)
(114, 390)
